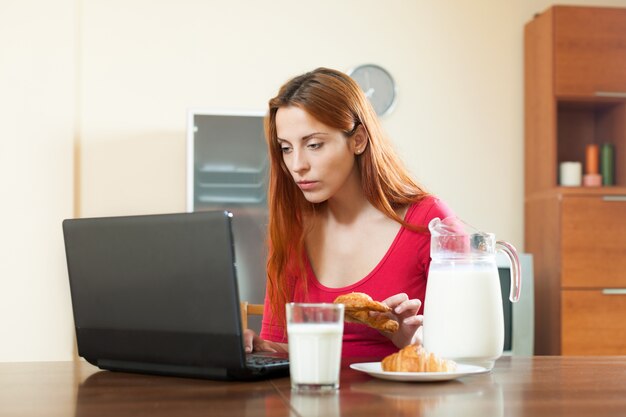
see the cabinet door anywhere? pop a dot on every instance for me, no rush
(593, 241)
(590, 50)
(593, 323)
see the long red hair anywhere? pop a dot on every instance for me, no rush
(336, 100)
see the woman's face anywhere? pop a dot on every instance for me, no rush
(320, 158)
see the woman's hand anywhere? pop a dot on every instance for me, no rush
(405, 310)
(253, 343)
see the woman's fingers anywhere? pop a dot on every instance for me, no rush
(261, 345)
(400, 303)
(418, 337)
(253, 343)
(412, 306)
(248, 340)
(396, 300)
(413, 320)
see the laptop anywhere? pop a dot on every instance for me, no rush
(158, 294)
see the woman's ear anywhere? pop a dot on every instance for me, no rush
(360, 140)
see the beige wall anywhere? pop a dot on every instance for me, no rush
(121, 74)
(37, 110)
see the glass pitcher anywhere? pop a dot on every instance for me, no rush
(463, 317)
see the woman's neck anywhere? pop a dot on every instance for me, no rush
(350, 203)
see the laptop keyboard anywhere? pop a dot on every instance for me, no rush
(263, 362)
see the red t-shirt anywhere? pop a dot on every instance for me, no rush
(403, 269)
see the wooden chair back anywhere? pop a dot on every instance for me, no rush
(248, 309)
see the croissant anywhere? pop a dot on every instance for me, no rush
(357, 307)
(359, 301)
(379, 321)
(414, 358)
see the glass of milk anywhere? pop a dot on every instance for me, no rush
(315, 332)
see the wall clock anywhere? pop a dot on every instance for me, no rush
(378, 85)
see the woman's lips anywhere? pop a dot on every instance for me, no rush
(307, 185)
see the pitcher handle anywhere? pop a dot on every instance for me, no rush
(516, 272)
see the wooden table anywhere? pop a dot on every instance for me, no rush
(518, 386)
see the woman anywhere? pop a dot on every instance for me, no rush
(344, 214)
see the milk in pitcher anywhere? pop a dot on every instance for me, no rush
(463, 314)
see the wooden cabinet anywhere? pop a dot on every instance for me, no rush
(593, 322)
(575, 95)
(589, 51)
(593, 242)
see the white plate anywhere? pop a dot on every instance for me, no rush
(374, 369)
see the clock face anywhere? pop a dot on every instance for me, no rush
(378, 85)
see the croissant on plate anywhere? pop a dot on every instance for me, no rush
(357, 307)
(414, 358)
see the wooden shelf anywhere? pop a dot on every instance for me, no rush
(576, 191)
(582, 123)
(592, 191)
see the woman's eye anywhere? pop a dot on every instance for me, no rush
(314, 145)
(285, 149)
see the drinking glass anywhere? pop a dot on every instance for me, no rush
(315, 332)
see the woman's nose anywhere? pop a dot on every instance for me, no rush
(299, 162)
